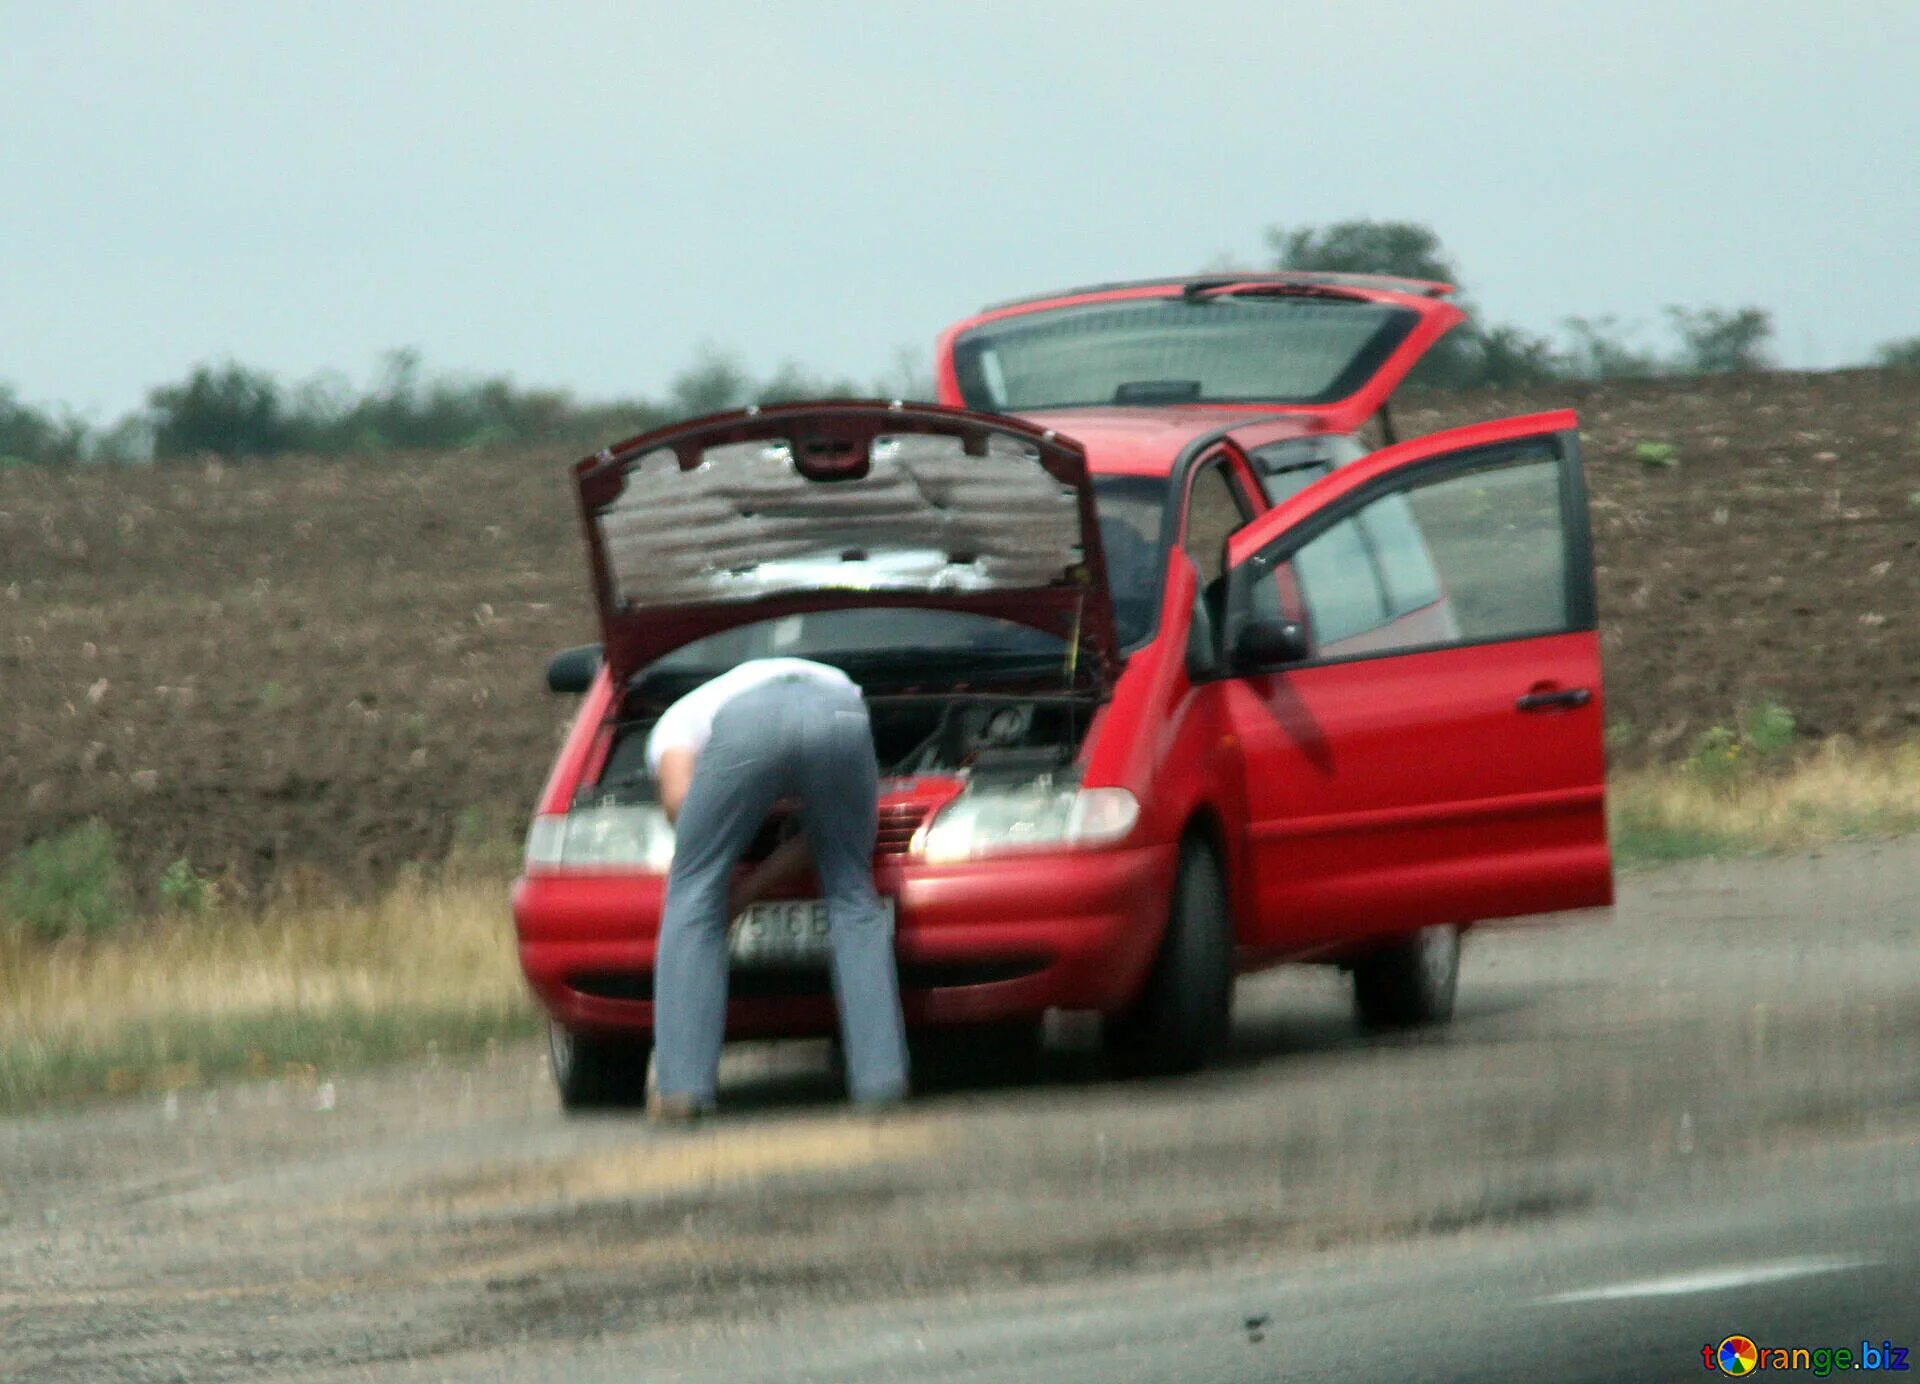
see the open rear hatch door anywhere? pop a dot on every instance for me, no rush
(1332, 345)
(753, 515)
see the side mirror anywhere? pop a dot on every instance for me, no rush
(1268, 643)
(573, 670)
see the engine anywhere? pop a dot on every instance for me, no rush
(976, 734)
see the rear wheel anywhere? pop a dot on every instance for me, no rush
(594, 1072)
(1411, 981)
(1182, 1016)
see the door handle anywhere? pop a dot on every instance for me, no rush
(1564, 699)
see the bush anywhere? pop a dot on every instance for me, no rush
(1711, 340)
(65, 885)
(1723, 755)
(405, 411)
(227, 410)
(182, 890)
(1722, 341)
(1768, 727)
(1718, 758)
(1404, 248)
(1600, 351)
(1509, 356)
(1899, 355)
(714, 383)
(790, 384)
(485, 842)
(235, 412)
(28, 435)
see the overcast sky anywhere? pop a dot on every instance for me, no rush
(586, 194)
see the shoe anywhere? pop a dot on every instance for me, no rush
(675, 1108)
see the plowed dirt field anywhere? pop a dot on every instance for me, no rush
(322, 670)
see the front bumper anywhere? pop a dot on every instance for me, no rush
(988, 940)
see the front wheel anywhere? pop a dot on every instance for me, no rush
(1410, 982)
(1182, 1016)
(594, 1072)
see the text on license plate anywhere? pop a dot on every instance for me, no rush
(786, 931)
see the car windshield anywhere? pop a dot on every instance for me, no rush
(1130, 509)
(1248, 348)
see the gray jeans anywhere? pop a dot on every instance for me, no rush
(789, 738)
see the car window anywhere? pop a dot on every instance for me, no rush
(1339, 585)
(1213, 512)
(1499, 544)
(1131, 510)
(1463, 557)
(1400, 555)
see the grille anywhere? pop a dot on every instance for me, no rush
(898, 823)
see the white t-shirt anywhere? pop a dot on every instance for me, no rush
(688, 722)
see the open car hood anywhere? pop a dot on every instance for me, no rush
(752, 515)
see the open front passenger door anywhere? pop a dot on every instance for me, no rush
(1415, 687)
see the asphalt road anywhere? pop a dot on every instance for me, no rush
(1640, 1135)
(1830, 1259)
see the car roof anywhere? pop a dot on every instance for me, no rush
(1148, 441)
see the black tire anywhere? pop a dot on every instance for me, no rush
(1001, 1054)
(1183, 1015)
(594, 1072)
(1409, 983)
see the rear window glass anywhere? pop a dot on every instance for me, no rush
(1229, 349)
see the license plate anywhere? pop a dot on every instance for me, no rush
(785, 932)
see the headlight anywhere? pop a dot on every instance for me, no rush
(989, 820)
(598, 838)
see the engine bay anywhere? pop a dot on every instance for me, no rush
(995, 735)
(964, 734)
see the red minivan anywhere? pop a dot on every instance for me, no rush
(1179, 666)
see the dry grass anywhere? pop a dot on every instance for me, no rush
(314, 984)
(307, 984)
(1835, 791)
